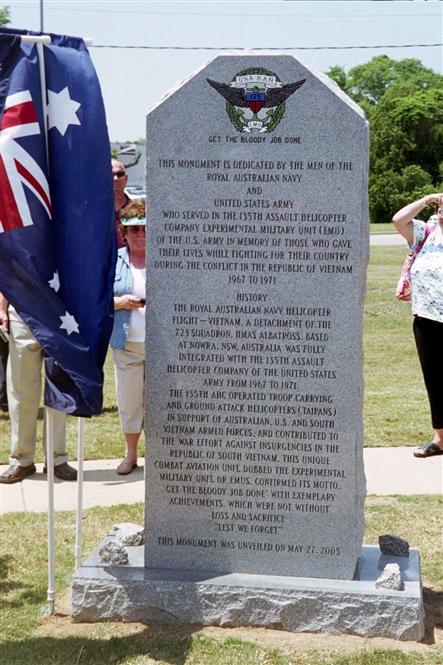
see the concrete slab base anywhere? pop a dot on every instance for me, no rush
(357, 607)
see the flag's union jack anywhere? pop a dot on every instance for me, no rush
(18, 169)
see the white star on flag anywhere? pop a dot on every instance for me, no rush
(69, 323)
(62, 110)
(54, 283)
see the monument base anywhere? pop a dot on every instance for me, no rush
(296, 604)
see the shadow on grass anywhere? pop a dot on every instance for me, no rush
(109, 476)
(433, 604)
(94, 651)
(6, 586)
(110, 409)
(24, 594)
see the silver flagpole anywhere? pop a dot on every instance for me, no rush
(40, 41)
(48, 411)
(41, 65)
(80, 460)
(78, 529)
(41, 16)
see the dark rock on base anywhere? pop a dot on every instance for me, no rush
(393, 545)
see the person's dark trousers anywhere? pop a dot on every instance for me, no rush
(429, 338)
(3, 362)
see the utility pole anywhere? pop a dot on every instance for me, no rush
(41, 16)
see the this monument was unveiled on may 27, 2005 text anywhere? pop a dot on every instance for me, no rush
(257, 254)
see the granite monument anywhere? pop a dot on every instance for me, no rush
(258, 245)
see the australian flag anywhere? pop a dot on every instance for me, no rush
(57, 240)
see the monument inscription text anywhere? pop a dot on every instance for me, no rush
(255, 283)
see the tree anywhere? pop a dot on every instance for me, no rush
(404, 104)
(409, 123)
(391, 190)
(338, 74)
(4, 16)
(406, 148)
(370, 82)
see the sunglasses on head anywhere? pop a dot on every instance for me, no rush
(119, 174)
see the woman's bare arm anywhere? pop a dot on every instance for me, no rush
(403, 218)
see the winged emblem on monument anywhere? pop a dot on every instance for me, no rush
(255, 99)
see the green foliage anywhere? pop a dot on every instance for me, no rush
(4, 15)
(410, 122)
(138, 141)
(406, 148)
(403, 101)
(338, 74)
(390, 190)
(371, 81)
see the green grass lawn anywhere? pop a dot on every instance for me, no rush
(396, 408)
(387, 227)
(396, 413)
(26, 638)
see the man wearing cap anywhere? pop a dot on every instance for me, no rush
(128, 334)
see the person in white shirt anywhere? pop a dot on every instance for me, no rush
(128, 335)
(427, 304)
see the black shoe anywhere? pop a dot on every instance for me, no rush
(428, 450)
(16, 473)
(63, 471)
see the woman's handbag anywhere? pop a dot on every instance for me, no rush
(403, 290)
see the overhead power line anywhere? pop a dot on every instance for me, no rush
(261, 48)
(106, 11)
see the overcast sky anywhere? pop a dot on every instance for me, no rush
(133, 80)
